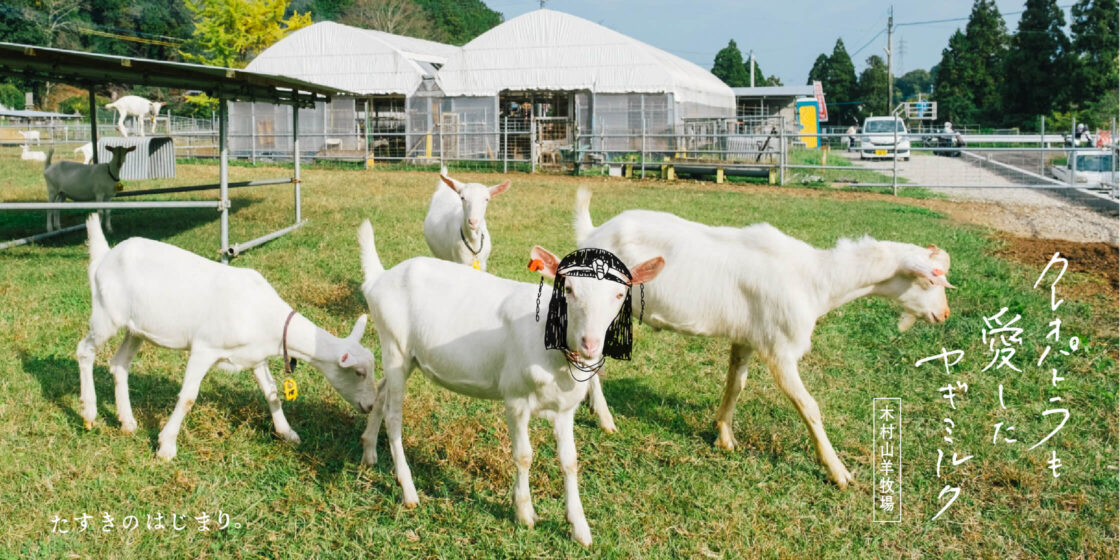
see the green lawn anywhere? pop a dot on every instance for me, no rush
(657, 489)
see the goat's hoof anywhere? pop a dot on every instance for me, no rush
(841, 477)
(609, 427)
(527, 516)
(89, 424)
(290, 436)
(166, 453)
(582, 533)
(411, 505)
(128, 427)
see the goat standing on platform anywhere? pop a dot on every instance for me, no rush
(455, 227)
(764, 291)
(138, 108)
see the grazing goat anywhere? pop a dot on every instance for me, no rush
(764, 291)
(30, 135)
(455, 226)
(28, 155)
(475, 334)
(138, 108)
(83, 183)
(225, 316)
(86, 150)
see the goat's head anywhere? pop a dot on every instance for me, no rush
(154, 109)
(475, 197)
(351, 372)
(920, 286)
(120, 151)
(589, 313)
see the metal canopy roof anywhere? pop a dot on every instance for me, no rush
(27, 114)
(78, 67)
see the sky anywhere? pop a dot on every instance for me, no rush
(786, 35)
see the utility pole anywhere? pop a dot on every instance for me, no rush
(752, 67)
(890, 53)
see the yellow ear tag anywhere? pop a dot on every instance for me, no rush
(290, 389)
(119, 187)
(475, 265)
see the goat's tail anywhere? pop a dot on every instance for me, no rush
(581, 221)
(47, 162)
(371, 263)
(98, 247)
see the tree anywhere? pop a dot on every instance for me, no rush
(230, 32)
(982, 60)
(840, 86)
(460, 21)
(873, 88)
(1093, 28)
(401, 17)
(954, 99)
(819, 71)
(914, 82)
(728, 66)
(1036, 59)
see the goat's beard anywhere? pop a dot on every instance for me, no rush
(906, 321)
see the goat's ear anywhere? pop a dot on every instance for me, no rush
(130, 149)
(647, 271)
(449, 182)
(931, 276)
(347, 360)
(548, 261)
(499, 189)
(359, 329)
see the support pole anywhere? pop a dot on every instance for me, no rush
(295, 157)
(643, 145)
(253, 130)
(505, 144)
(367, 132)
(93, 123)
(223, 173)
(890, 61)
(894, 171)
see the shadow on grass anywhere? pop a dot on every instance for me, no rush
(126, 223)
(330, 434)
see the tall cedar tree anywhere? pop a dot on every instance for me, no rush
(873, 88)
(728, 66)
(840, 87)
(819, 71)
(1094, 29)
(982, 61)
(954, 98)
(1037, 59)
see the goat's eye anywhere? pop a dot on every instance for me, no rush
(360, 372)
(619, 296)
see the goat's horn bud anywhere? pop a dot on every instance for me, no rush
(938, 272)
(535, 265)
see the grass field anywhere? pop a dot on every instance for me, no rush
(656, 489)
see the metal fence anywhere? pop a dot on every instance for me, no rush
(769, 148)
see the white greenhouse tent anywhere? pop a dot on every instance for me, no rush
(547, 64)
(389, 73)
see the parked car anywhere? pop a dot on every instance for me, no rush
(1094, 169)
(879, 136)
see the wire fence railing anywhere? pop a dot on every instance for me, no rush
(771, 148)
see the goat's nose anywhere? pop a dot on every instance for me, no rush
(473, 222)
(946, 316)
(589, 345)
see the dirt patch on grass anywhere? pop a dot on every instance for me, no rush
(1098, 260)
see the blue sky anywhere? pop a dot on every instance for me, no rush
(786, 35)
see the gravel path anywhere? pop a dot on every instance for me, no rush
(1027, 212)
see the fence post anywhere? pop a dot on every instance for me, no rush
(782, 150)
(643, 145)
(894, 172)
(253, 130)
(533, 145)
(505, 144)
(93, 125)
(366, 136)
(1042, 144)
(295, 156)
(223, 173)
(439, 136)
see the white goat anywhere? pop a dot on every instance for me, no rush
(226, 316)
(83, 183)
(86, 151)
(455, 226)
(138, 108)
(28, 155)
(30, 135)
(764, 291)
(475, 334)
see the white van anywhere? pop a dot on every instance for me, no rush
(877, 139)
